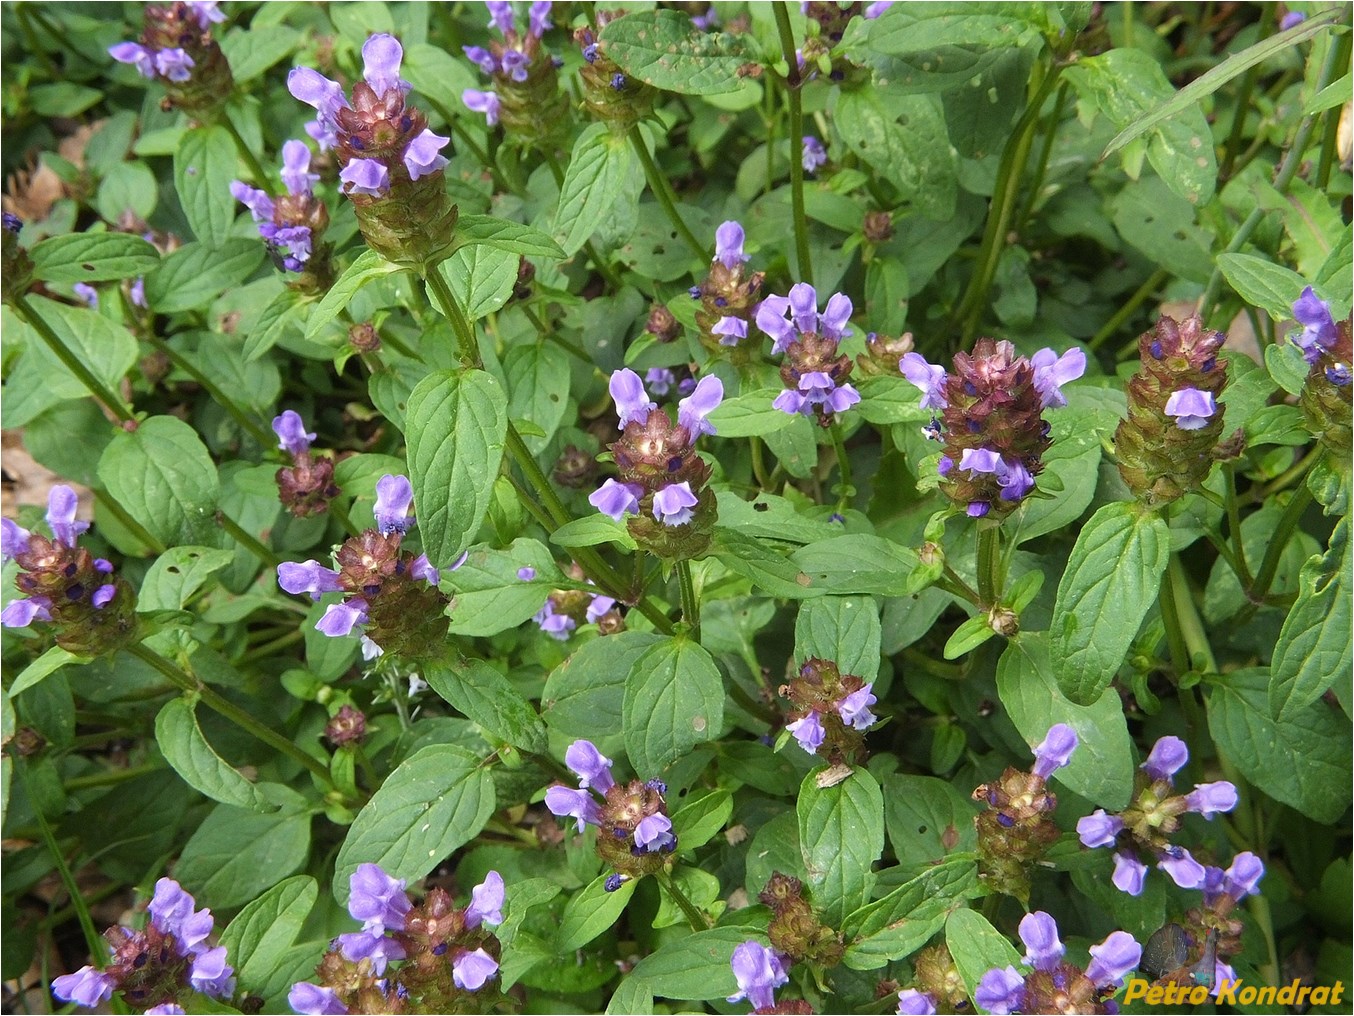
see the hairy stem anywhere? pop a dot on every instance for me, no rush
(658, 184)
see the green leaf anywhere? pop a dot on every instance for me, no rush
(435, 801)
(599, 167)
(434, 73)
(284, 314)
(368, 267)
(204, 166)
(584, 694)
(103, 346)
(841, 835)
(485, 696)
(674, 700)
(841, 628)
(969, 636)
(1313, 651)
(632, 997)
(976, 946)
(63, 99)
(773, 572)
(163, 476)
(1262, 283)
(196, 274)
(177, 575)
(235, 855)
(1101, 769)
(591, 912)
(857, 563)
(1301, 759)
(266, 928)
(904, 920)
(456, 426)
(44, 666)
(697, 821)
(926, 818)
(92, 257)
(916, 158)
(663, 49)
(1112, 579)
(885, 399)
(538, 385)
(481, 278)
(1287, 367)
(749, 414)
(696, 966)
(591, 530)
(773, 518)
(905, 29)
(186, 749)
(491, 597)
(505, 235)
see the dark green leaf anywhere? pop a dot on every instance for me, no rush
(591, 912)
(204, 166)
(583, 695)
(187, 750)
(367, 267)
(599, 167)
(844, 629)
(491, 597)
(674, 700)
(266, 928)
(1313, 651)
(976, 946)
(841, 834)
(163, 476)
(485, 696)
(538, 383)
(196, 274)
(505, 235)
(694, 967)
(664, 49)
(235, 855)
(93, 257)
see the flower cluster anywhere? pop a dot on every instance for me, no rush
(1222, 891)
(391, 593)
(993, 425)
(91, 611)
(292, 224)
(306, 486)
(177, 48)
(814, 372)
(1017, 827)
(728, 295)
(1166, 445)
(831, 711)
(157, 968)
(609, 94)
(635, 836)
(795, 929)
(391, 162)
(525, 98)
(1053, 985)
(759, 971)
(446, 954)
(1327, 348)
(1147, 824)
(662, 479)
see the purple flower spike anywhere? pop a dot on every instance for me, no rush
(1113, 958)
(470, 971)
(915, 1003)
(500, 16)
(370, 944)
(592, 767)
(1000, 992)
(13, 538)
(654, 833)
(808, 731)
(616, 499)
(814, 154)
(296, 172)
(394, 502)
(486, 902)
(729, 245)
(759, 972)
(1191, 408)
(538, 22)
(22, 613)
(770, 319)
(926, 376)
(1055, 750)
(578, 804)
(693, 410)
(672, 505)
(1291, 20)
(1318, 325)
(144, 60)
(365, 176)
(1099, 829)
(376, 897)
(87, 987)
(1210, 798)
(381, 57)
(632, 402)
(1183, 869)
(980, 460)
(341, 618)
(482, 102)
(1129, 873)
(1043, 949)
(291, 433)
(1052, 371)
(312, 1000)
(730, 330)
(1167, 757)
(174, 64)
(61, 505)
(854, 709)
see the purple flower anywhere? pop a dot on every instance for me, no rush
(1167, 757)
(1210, 798)
(381, 57)
(174, 64)
(730, 330)
(578, 804)
(21, 613)
(370, 651)
(1054, 751)
(62, 503)
(165, 1009)
(592, 767)
(310, 577)
(1015, 480)
(1043, 949)
(1318, 325)
(854, 709)
(915, 1003)
(729, 245)
(394, 502)
(538, 20)
(770, 318)
(654, 833)
(808, 731)
(376, 898)
(138, 292)
(515, 64)
(1000, 992)
(87, 986)
(659, 380)
(759, 971)
(979, 460)
(802, 303)
(616, 499)
(706, 21)
(206, 12)
(672, 505)
(12, 223)
(210, 974)
(365, 176)
(486, 902)
(144, 60)
(599, 606)
(481, 56)
(500, 16)
(1183, 869)
(1113, 958)
(470, 970)
(341, 618)
(87, 294)
(370, 944)
(1052, 371)
(291, 432)
(1129, 873)
(422, 568)
(260, 205)
(312, 1000)
(526, 574)
(926, 376)
(704, 400)
(103, 595)
(632, 402)
(1191, 408)
(482, 102)
(314, 89)
(877, 8)
(553, 623)
(1099, 829)
(296, 174)
(1291, 20)
(814, 154)
(13, 539)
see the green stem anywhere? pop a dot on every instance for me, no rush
(1283, 532)
(1243, 101)
(1296, 471)
(697, 920)
(1234, 527)
(1041, 167)
(691, 611)
(658, 184)
(759, 464)
(989, 564)
(398, 698)
(231, 711)
(530, 503)
(847, 490)
(129, 523)
(251, 426)
(107, 778)
(112, 403)
(952, 583)
(247, 540)
(796, 102)
(1116, 322)
(1191, 625)
(550, 335)
(1170, 618)
(256, 170)
(271, 647)
(1259, 908)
